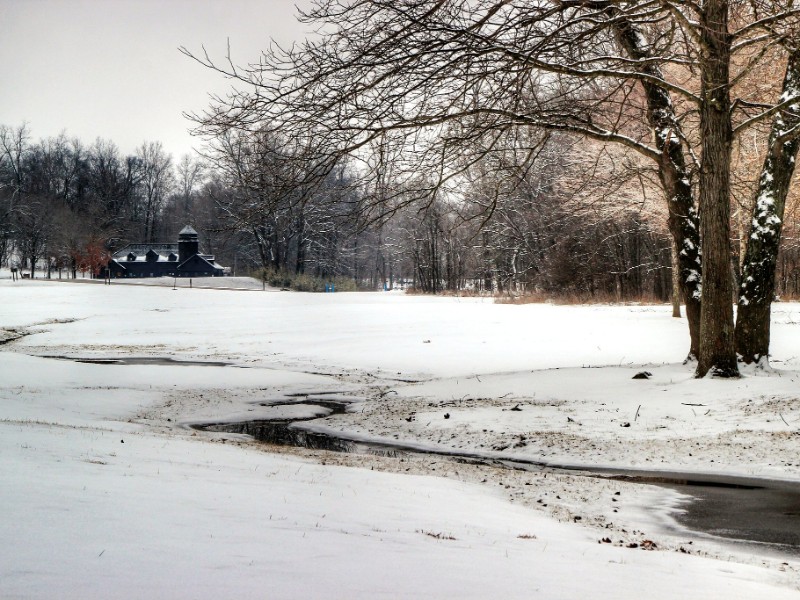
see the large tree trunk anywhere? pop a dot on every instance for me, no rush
(683, 222)
(761, 256)
(717, 354)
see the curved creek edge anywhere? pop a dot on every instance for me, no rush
(727, 507)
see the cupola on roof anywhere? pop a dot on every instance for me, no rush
(187, 231)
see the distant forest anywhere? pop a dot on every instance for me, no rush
(509, 228)
(67, 205)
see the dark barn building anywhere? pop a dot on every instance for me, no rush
(157, 260)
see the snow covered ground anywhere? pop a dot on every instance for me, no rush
(230, 283)
(106, 492)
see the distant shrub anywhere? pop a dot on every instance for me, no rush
(302, 282)
(573, 298)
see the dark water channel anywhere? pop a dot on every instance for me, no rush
(146, 360)
(742, 509)
(768, 512)
(747, 510)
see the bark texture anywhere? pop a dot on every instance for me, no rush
(758, 269)
(717, 353)
(676, 284)
(683, 220)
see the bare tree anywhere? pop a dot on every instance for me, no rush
(190, 172)
(758, 267)
(113, 181)
(465, 74)
(14, 146)
(156, 181)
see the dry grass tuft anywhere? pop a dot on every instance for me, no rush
(574, 299)
(437, 536)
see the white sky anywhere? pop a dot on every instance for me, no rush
(112, 69)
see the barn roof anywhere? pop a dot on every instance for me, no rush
(142, 249)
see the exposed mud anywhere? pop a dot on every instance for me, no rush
(12, 335)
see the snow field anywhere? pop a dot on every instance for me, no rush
(107, 494)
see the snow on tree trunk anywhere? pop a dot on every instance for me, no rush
(685, 229)
(717, 353)
(758, 269)
(683, 222)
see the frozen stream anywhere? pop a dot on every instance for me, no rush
(762, 511)
(754, 510)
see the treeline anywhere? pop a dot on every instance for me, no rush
(66, 206)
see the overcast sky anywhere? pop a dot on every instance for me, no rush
(112, 69)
